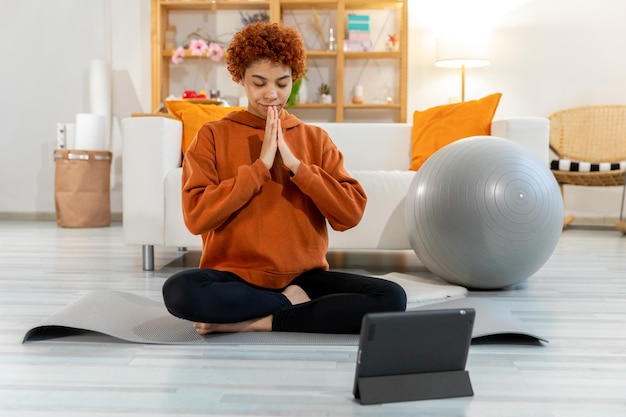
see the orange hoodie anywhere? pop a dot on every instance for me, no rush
(267, 227)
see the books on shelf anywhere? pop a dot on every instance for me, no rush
(357, 33)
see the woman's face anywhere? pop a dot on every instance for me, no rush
(266, 84)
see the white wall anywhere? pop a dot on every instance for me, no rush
(47, 47)
(547, 55)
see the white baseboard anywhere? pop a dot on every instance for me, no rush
(117, 217)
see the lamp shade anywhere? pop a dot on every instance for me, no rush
(458, 51)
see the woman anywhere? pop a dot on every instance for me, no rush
(259, 186)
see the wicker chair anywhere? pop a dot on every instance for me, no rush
(595, 135)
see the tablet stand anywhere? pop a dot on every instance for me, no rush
(412, 387)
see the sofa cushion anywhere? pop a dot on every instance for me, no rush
(439, 126)
(360, 144)
(194, 115)
(383, 225)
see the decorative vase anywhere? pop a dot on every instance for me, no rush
(302, 95)
(326, 99)
(357, 95)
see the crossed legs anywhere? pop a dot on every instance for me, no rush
(316, 301)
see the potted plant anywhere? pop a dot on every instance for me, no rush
(325, 97)
(298, 92)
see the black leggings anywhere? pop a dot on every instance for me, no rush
(338, 300)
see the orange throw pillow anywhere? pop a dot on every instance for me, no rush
(439, 126)
(194, 115)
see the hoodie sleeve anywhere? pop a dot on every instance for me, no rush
(338, 196)
(208, 202)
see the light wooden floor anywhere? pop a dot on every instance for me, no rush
(577, 301)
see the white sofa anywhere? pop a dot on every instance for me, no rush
(377, 154)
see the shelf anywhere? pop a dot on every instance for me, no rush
(356, 55)
(214, 6)
(308, 5)
(168, 53)
(315, 106)
(321, 54)
(347, 106)
(372, 106)
(373, 55)
(349, 4)
(337, 68)
(374, 4)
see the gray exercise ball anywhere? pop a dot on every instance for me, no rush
(484, 213)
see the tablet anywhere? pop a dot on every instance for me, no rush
(414, 355)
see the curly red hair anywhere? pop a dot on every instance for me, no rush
(271, 41)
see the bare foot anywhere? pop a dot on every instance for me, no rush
(296, 295)
(263, 324)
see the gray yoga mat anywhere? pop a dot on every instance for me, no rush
(133, 318)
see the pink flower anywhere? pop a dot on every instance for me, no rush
(215, 51)
(198, 47)
(179, 53)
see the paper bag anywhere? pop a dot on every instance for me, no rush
(81, 188)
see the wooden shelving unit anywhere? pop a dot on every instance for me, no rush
(276, 10)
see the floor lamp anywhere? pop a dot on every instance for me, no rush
(462, 52)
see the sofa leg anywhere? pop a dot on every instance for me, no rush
(147, 256)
